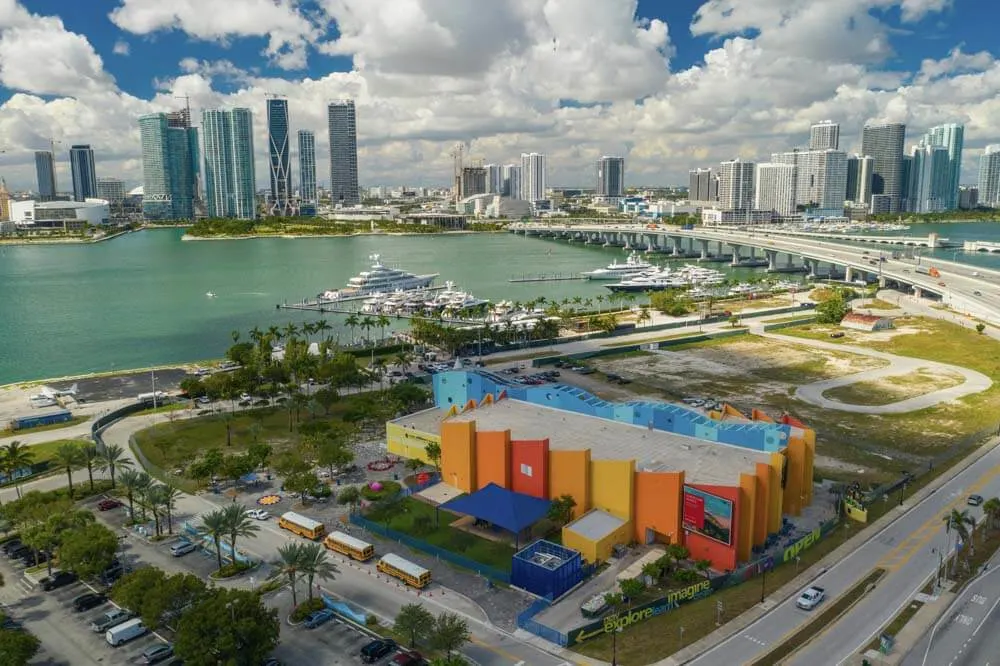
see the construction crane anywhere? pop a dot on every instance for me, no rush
(187, 108)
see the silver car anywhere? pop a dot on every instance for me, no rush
(182, 548)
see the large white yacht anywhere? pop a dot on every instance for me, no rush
(378, 279)
(681, 278)
(634, 265)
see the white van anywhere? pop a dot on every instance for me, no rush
(125, 632)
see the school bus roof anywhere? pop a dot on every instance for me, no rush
(301, 521)
(403, 565)
(349, 541)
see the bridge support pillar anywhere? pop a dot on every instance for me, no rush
(736, 255)
(882, 282)
(676, 245)
(848, 274)
(811, 265)
(772, 259)
(704, 250)
(918, 292)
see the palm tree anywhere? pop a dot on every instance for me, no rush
(382, 322)
(238, 524)
(235, 335)
(68, 456)
(307, 330)
(959, 521)
(164, 496)
(131, 481)
(403, 359)
(352, 322)
(290, 330)
(213, 525)
(322, 326)
(991, 508)
(113, 457)
(143, 483)
(315, 563)
(91, 458)
(367, 324)
(289, 565)
(152, 498)
(14, 457)
(600, 301)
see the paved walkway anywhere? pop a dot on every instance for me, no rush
(974, 382)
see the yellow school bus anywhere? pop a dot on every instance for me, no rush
(406, 571)
(301, 525)
(348, 545)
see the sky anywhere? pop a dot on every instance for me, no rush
(669, 84)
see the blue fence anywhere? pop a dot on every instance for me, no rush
(431, 549)
(526, 621)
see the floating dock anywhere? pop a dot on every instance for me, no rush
(547, 277)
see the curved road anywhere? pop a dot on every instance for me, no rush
(974, 382)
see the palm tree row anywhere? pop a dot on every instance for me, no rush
(227, 525)
(159, 499)
(298, 560)
(367, 323)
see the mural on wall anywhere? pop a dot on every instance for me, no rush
(708, 515)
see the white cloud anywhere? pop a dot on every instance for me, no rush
(121, 48)
(429, 73)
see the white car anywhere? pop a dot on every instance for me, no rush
(811, 598)
(259, 514)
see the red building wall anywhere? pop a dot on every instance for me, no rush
(529, 467)
(723, 557)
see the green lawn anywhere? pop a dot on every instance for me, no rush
(47, 450)
(422, 521)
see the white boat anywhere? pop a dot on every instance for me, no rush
(453, 300)
(378, 279)
(634, 265)
(682, 278)
(210, 294)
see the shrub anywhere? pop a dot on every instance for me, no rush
(306, 608)
(389, 489)
(232, 569)
(422, 525)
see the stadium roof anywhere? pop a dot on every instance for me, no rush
(504, 508)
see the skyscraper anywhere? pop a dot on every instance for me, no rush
(230, 182)
(929, 185)
(824, 135)
(343, 127)
(860, 169)
(885, 144)
(510, 181)
(821, 177)
(307, 167)
(473, 181)
(45, 170)
(989, 176)
(494, 179)
(279, 155)
(952, 137)
(532, 177)
(111, 190)
(81, 164)
(703, 186)
(774, 187)
(736, 185)
(169, 166)
(611, 177)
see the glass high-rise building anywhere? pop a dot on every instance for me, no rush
(510, 181)
(929, 180)
(279, 157)
(45, 171)
(533, 177)
(343, 128)
(824, 135)
(111, 190)
(950, 136)
(860, 169)
(989, 176)
(307, 167)
(611, 177)
(169, 166)
(230, 183)
(494, 179)
(885, 145)
(81, 164)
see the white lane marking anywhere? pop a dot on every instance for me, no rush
(963, 619)
(978, 599)
(985, 617)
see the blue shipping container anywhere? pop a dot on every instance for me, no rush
(35, 420)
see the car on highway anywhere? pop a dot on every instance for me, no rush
(57, 580)
(85, 602)
(318, 618)
(182, 547)
(157, 653)
(112, 618)
(377, 649)
(974, 500)
(812, 596)
(977, 293)
(108, 504)
(258, 514)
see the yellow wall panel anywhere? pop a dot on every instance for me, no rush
(762, 503)
(409, 443)
(748, 507)
(611, 486)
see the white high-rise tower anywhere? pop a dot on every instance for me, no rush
(532, 176)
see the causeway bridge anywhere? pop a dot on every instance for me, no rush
(931, 241)
(981, 246)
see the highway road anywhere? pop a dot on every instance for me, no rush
(965, 635)
(908, 549)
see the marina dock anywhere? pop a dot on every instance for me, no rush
(546, 277)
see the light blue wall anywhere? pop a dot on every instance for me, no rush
(459, 386)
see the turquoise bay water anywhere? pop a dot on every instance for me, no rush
(139, 300)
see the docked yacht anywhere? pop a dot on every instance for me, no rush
(681, 278)
(378, 279)
(632, 266)
(453, 300)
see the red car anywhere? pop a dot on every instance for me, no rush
(108, 504)
(408, 659)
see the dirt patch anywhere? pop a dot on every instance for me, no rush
(894, 388)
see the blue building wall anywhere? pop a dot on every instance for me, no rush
(459, 386)
(35, 420)
(545, 582)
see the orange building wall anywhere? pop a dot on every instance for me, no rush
(807, 472)
(493, 459)
(723, 557)
(529, 467)
(458, 454)
(569, 474)
(796, 453)
(762, 503)
(748, 510)
(611, 486)
(776, 498)
(658, 506)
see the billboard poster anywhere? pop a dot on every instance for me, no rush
(708, 515)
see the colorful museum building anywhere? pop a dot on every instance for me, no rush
(639, 471)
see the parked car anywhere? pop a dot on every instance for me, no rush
(811, 597)
(182, 548)
(258, 514)
(408, 659)
(377, 649)
(157, 653)
(319, 617)
(974, 500)
(57, 580)
(112, 618)
(108, 504)
(32, 557)
(12, 544)
(113, 572)
(87, 601)
(17, 552)
(203, 400)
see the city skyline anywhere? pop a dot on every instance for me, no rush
(637, 88)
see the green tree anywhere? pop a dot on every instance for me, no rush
(302, 482)
(980, 327)
(69, 456)
(289, 566)
(350, 496)
(17, 648)
(113, 458)
(704, 567)
(450, 633)
(833, 309)
(131, 480)
(238, 525)
(91, 459)
(433, 451)
(561, 509)
(87, 550)
(13, 458)
(314, 562)
(332, 449)
(230, 627)
(991, 508)
(631, 589)
(259, 453)
(959, 522)
(214, 526)
(414, 620)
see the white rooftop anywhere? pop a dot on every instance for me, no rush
(595, 525)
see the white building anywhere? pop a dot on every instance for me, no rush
(774, 187)
(494, 206)
(717, 216)
(950, 136)
(58, 215)
(532, 176)
(989, 176)
(929, 186)
(821, 180)
(824, 135)
(736, 185)
(510, 181)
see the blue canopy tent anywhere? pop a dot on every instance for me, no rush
(504, 508)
